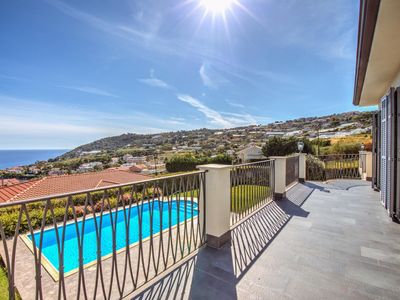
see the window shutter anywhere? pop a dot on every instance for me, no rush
(397, 139)
(391, 123)
(383, 149)
(378, 152)
(375, 157)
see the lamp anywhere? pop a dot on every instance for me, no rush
(362, 147)
(300, 146)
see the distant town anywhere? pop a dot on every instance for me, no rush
(148, 154)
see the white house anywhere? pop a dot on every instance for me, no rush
(89, 166)
(252, 152)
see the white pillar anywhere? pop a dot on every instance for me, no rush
(366, 165)
(218, 196)
(302, 167)
(280, 177)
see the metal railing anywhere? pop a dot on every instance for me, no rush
(292, 170)
(105, 242)
(333, 166)
(252, 187)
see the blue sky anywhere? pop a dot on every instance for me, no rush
(75, 71)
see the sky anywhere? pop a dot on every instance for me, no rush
(75, 71)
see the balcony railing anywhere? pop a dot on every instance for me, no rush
(251, 188)
(334, 166)
(105, 242)
(292, 170)
(110, 241)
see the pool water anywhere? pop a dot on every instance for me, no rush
(170, 217)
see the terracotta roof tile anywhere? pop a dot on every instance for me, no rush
(52, 185)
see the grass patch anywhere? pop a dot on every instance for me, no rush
(341, 164)
(4, 284)
(245, 197)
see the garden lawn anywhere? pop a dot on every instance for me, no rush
(245, 197)
(3, 284)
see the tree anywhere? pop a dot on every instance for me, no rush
(277, 146)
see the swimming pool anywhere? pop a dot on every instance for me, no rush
(170, 217)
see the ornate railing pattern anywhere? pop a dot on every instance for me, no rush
(334, 166)
(292, 170)
(105, 242)
(252, 187)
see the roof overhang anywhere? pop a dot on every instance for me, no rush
(378, 51)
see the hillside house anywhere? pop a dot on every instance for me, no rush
(250, 153)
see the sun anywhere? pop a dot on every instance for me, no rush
(217, 6)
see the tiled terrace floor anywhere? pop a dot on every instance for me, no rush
(326, 241)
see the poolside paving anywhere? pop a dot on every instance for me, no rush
(329, 240)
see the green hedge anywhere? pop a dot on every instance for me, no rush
(188, 162)
(315, 168)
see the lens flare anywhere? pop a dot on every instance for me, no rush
(217, 6)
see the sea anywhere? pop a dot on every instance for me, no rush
(13, 158)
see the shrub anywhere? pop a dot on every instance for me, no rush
(277, 146)
(188, 162)
(315, 168)
(345, 148)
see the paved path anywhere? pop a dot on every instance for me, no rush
(326, 241)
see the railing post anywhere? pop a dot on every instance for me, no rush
(280, 177)
(302, 167)
(217, 212)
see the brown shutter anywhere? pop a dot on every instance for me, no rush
(396, 209)
(375, 158)
(392, 151)
(378, 153)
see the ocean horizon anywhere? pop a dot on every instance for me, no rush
(22, 157)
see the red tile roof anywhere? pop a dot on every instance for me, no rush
(9, 181)
(52, 185)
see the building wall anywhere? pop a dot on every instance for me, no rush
(396, 81)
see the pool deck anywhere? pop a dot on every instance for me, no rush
(338, 244)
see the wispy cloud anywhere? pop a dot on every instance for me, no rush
(317, 27)
(234, 103)
(92, 90)
(214, 116)
(11, 77)
(156, 82)
(211, 78)
(38, 123)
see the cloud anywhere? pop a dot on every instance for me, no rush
(44, 128)
(211, 78)
(156, 82)
(92, 90)
(214, 116)
(324, 28)
(37, 123)
(11, 77)
(234, 104)
(224, 119)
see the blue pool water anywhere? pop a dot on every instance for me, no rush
(71, 254)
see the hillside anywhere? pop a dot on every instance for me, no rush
(336, 125)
